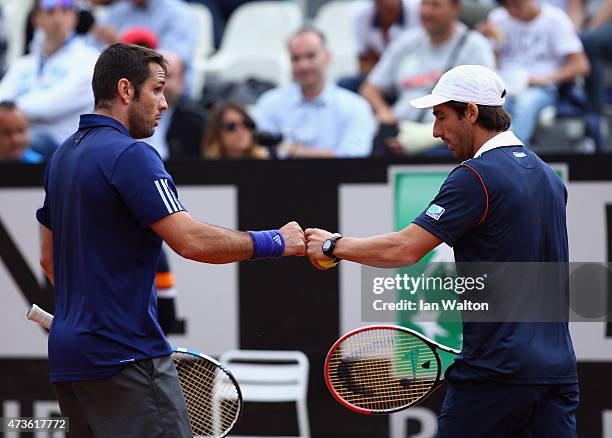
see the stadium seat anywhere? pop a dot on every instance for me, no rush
(335, 20)
(204, 47)
(15, 15)
(272, 377)
(255, 42)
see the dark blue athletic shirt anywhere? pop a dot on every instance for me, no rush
(103, 190)
(506, 205)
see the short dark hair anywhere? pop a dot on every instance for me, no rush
(309, 29)
(8, 105)
(491, 118)
(119, 61)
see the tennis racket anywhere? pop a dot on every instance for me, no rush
(213, 397)
(383, 369)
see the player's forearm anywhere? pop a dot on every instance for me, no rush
(47, 266)
(209, 244)
(46, 252)
(385, 251)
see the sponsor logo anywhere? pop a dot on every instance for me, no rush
(435, 211)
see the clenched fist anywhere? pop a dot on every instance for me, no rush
(315, 238)
(295, 242)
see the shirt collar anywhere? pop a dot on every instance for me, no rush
(506, 138)
(325, 98)
(97, 120)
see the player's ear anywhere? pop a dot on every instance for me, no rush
(471, 112)
(125, 91)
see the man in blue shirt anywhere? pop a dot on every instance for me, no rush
(316, 118)
(502, 204)
(109, 204)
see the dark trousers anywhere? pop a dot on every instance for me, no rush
(491, 409)
(144, 400)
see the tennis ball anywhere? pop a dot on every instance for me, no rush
(326, 264)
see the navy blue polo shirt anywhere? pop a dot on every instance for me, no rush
(103, 190)
(506, 205)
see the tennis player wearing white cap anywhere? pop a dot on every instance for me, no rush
(501, 204)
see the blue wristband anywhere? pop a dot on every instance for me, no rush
(267, 244)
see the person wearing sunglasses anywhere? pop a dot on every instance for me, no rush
(230, 134)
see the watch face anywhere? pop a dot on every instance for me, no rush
(326, 245)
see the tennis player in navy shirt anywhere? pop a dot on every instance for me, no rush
(501, 204)
(109, 204)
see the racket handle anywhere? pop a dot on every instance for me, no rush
(38, 315)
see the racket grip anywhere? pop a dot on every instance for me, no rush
(38, 315)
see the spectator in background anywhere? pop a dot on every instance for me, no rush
(316, 118)
(34, 35)
(597, 40)
(412, 65)
(3, 44)
(170, 20)
(375, 26)
(181, 127)
(230, 134)
(537, 50)
(14, 136)
(52, 85)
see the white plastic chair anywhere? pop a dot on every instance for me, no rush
(206, 38)
(205, 46)
(335, 20)
(272, 377)
(15, 14)
(255, 42)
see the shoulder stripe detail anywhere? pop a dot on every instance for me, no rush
(173, 196)
(163, 196)
(164, 184)
(486, 192)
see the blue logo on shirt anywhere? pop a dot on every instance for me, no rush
(435, 211)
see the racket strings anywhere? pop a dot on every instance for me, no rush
(383, 369)
(212, 400)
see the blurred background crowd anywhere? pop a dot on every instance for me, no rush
(309, 78)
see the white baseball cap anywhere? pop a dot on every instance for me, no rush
(466, 83)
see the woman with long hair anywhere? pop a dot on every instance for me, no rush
(230, 134)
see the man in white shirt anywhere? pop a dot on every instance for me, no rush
(53, 85)
(537, 50)
(375, 25)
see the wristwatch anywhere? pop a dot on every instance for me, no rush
(329, 245)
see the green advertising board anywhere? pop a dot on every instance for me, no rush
(413, 191)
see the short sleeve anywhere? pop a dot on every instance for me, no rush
(384, 72)
(566, 41)
(477, 51)
(460, 205)
(144, 185)
(265, 112)
(360, 28)
(43, 214)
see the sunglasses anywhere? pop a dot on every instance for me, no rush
(232, 126)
